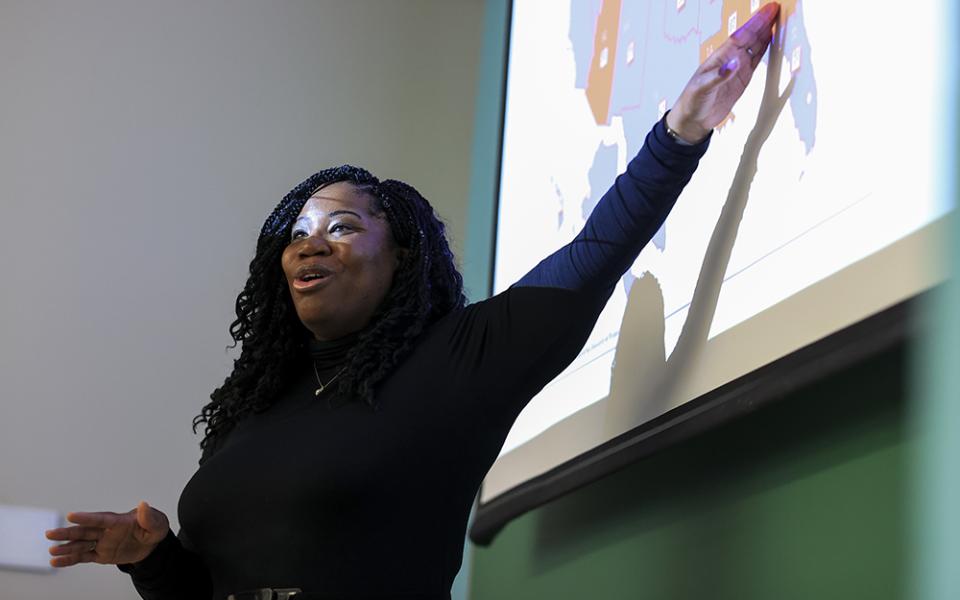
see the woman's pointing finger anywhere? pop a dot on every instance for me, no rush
(753, 32)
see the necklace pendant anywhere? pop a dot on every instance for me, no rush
(324, 386)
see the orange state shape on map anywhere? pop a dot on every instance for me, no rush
(740, 8)
(600, 78)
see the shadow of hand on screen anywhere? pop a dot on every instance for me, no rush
(644, 383)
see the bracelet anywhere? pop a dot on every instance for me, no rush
(676, 136)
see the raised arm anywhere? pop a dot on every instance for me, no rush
(624, 220)
(634, 208)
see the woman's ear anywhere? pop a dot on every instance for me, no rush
(400, 254)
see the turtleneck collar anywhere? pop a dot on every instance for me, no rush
(331, 353)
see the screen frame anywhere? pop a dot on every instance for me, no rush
(841, 350)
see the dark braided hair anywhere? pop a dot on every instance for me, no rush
(426, 286)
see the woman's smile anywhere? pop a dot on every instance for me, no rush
(311, 276)
(312, 282)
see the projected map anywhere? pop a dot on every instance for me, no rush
(619, 50)
(629, 77)
(821, 184)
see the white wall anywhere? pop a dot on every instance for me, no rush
(141, 146)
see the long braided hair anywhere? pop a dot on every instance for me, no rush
(426, 286)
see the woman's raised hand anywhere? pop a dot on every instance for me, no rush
(720, 81)
(109, 538)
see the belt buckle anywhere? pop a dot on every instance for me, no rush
(266, 594)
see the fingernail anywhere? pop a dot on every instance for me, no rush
(731, 65)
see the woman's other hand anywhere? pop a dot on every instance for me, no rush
(120, 537)
(720, 81)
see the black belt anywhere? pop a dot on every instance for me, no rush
(296, 594)
(268, 594)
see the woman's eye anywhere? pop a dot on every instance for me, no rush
(297, 234)
(338, 227)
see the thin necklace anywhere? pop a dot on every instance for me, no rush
(323, 385)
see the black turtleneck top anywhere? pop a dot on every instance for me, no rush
(344, 501)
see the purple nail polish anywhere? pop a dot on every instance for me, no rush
(731, 65)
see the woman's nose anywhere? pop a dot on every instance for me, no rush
(315, 244)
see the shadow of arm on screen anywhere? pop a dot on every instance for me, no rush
(636, 398)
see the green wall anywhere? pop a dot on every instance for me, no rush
(806, 498)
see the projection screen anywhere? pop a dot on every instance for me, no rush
(840, 222)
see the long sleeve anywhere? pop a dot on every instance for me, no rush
(500, 352)
(170, 572)
(624, 220)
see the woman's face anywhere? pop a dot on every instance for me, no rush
(340, 262)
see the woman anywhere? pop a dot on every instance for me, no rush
(343, 453)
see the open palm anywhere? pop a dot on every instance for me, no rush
(108, 537)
